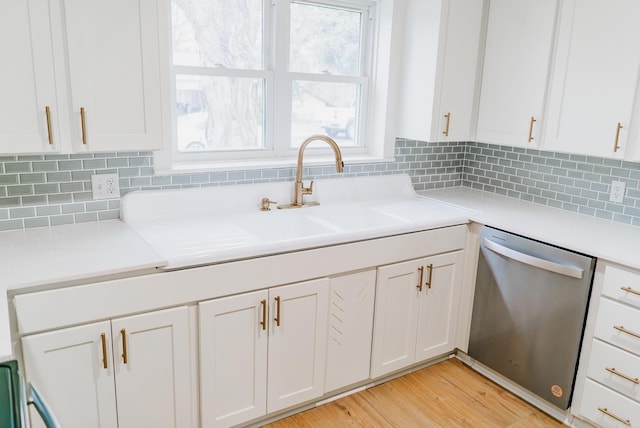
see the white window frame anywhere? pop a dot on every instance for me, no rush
(377, 79)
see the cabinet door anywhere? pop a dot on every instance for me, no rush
(350, 326)
(233, 359)
(595, 77)
(114, 71)
(27, 84)
(395, 317)
(457, 65)
(518, 47)
(438, 315)
(297, 343)
(69, 368)
(152, 362)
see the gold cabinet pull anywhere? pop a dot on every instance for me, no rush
(263, 323)
(624, 330)
(612, 370)
(84, 126)
(616, 146)
(421, 270)
(630, 290)
(103, 339)
(604, 410)
(428, 282)
(446, 126)
(47, 113)
(533, 120)
(277, 318)
(123, 332)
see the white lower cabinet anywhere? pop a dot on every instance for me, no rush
(277, 334)
(415, 316)
(139, 365)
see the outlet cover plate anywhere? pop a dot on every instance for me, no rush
(105, 186)
(617, 191)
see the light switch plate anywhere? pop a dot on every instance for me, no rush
(105, 186)
(617, 191)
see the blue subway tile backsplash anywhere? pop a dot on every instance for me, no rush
(47, 190)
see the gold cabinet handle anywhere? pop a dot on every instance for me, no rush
(446, 126)
(624, 330)
(421, 270)
(47, 113)
(630, 290)
(103, 339)
(533, 120)
(123, 332)
(604, 410)
(84, 126)
(263, 323)
(612, 370)
(428, 282)
(277, 318)
(616, 146)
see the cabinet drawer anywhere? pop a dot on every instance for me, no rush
(622, 284)
(597, 399)
(619, 325)
(615, 368)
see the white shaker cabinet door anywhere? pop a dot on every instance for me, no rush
(438, 315)
(297, 343)
(595, 77)
(515, 71)
(114, 73)
(152, 363)
(233, 359)
(27, 84)
(73, 370)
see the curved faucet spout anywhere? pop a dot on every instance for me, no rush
(300, 190)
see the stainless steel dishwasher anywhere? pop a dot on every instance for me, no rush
(529, 312)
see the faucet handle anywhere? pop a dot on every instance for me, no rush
(308, 190)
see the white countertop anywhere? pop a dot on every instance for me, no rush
(596, 237)
(40, 257)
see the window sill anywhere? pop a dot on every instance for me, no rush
(244, 165)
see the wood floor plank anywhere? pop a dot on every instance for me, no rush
(447, 394)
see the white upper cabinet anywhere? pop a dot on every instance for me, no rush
(27, 85)
(439, 62)
(517, 56)
(64, 57)
(114, 74)
(595, 78)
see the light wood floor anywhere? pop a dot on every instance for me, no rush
(447, 394)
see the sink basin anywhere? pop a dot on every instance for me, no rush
(351, 217)
(280, 225)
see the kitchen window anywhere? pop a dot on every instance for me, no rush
(251, 79)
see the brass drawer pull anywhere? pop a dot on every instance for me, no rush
(428, 282)
(277, 318)
(123, 332)
(612, 370)
(83, 122)
(47, 113)
(533, 120)
(103, 339)
(263, 323)
(421, 270)
(446, 127)
(624, 330)
(616, 146)
(630, 290)
(604, 410)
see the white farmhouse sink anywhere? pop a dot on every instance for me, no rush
(199, 226)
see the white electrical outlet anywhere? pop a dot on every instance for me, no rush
(105, 186)
(617, 191)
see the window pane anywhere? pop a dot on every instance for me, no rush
(324, 40)
(219, 113)
(212, 33)
(325, 108)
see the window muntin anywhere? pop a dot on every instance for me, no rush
(325, 88)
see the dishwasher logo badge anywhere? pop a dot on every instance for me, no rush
(556, 390)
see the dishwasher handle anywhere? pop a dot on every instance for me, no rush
(572, 271)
